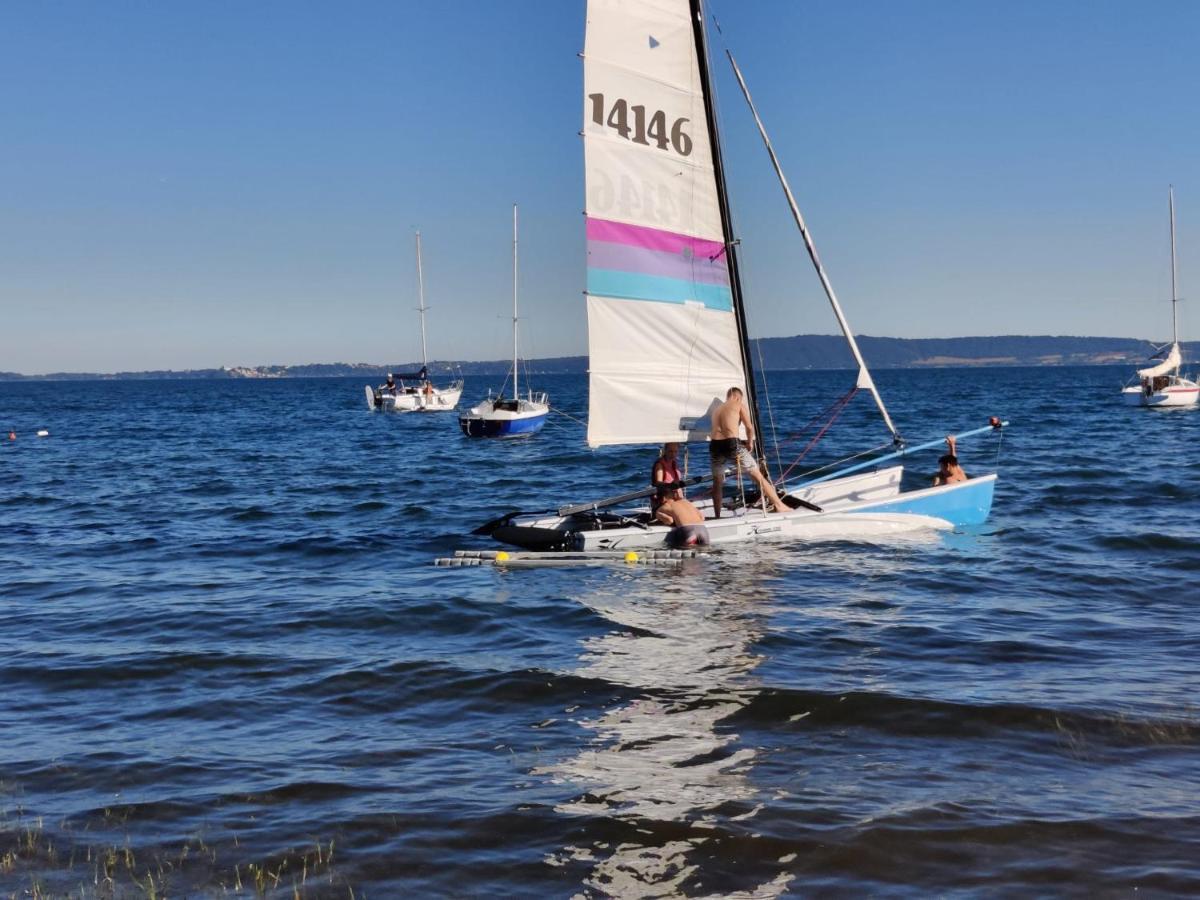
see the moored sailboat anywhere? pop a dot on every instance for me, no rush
(1163, 384)
(508, 417)
(416, 392)
(666, 316)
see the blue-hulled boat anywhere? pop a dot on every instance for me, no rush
(508, 417)
(501, 417)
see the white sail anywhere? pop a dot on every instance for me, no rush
(1170, 364)
(662, 330)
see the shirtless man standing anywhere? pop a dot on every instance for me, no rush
(724, 447)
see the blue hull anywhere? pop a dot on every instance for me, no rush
(964, 503)
(478, 426)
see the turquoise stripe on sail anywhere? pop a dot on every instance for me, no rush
(633, 286)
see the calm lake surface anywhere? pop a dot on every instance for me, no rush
(229, 667)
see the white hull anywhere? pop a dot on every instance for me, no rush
(416, 400)
(857, 507)
(1179, 392)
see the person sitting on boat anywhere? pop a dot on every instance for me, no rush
(724, 447)
(389, 386)
(689, 530)
(668, 484)
(949, 471)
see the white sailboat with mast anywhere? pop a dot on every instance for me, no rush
(1163, 384)
(666, 317)
(508, 417)
(416, 392)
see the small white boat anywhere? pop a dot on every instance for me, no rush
(1163, 384)
(417, 392)
(500, 416)
(413, 393)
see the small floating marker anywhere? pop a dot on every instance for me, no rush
(42, 432)
(12, 435)
(531, 559)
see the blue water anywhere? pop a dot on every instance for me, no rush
(229, 668)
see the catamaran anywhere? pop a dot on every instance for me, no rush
(415, 392)
(666, 316)
(508, 417)
(1162, 384)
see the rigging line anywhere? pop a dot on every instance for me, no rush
(770, 410)
(819, 417)
(712, 115)
(864, 375)
(838, 463)
(568, 415)
(820, 434)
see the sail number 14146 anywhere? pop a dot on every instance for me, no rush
(633, 124)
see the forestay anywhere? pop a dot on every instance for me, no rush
(663, 334)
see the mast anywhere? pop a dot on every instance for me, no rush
(864, 376)
(516, 375)
(1174, 295)
(422, 307)
(735, 282)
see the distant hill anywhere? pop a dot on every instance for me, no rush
(802, 351)
(816, 351)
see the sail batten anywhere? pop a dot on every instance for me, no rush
(663, 336)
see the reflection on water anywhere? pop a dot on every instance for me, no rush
(662, 761)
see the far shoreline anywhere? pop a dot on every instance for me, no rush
(776, 354)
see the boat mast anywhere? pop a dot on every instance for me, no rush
(422, 307)
(864, 375)
(735, 282)
(1174, 295)
(516, 375)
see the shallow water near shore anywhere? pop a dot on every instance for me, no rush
(229, 667)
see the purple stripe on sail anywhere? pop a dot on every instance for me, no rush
(652, 239)
(639, 260)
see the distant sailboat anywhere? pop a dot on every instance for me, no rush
(415, 392)
(499, 416)
(1162, 384)
(666, 316)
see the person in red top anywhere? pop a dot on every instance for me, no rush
(669, 505)
(668, 483)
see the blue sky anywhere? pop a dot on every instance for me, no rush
(225, 183)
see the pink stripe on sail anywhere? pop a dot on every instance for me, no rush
(651, 238)
(685, 266)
